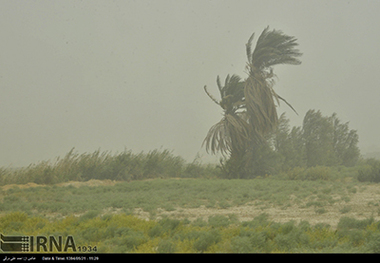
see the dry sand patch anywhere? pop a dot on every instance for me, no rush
(362, 205)
(92, 182)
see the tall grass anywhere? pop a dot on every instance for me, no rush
(127, 166)
(124, 166)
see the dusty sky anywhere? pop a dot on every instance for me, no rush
(115, 75)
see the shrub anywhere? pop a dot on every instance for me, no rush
(260, 220)
(218, 221)
(357, 237)
(320, 211)
(317, 173)
(352, 223)
(89, 215)
(192, 170)
(312, 173)
(13, 221)
(345, 209)
(370, 172)
(124, 166)
(164, 226)
(166, 246)
(169, 225)
(374, 243)
(110, 232)
(241, 244)
(257, 241)
(206, 239)
(133, 240)
(199, 222)
(285, 242)
(91, 234)
(297, 173)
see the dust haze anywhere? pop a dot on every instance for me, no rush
(115, 75)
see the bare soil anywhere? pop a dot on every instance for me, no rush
(92, 182)
(362, 205)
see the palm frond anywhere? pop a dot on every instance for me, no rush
(231, 133)
(273, 48)
(220, 87)
(226, 82)
(217, 139)
(249, 106)
(287, 103)
(211, 97)
(249, 48)
(261, 109)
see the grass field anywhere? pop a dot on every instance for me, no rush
(200, 215)
(156, 202)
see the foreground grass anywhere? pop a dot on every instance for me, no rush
(123, 233)
(80, 212)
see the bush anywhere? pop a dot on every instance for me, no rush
(241, 245)
(124, 166)
(285, 242)
(374, 243)
(135, 239)
(206, 239)
(165, 226)
(297, 173)
(260, 220)
(218, 221)
(317, 173)
(256, 240)
(92, 234)
(166, 246)
(346, 223)
(370, 172)
(89, 215)
(311, 173)
(121, 233)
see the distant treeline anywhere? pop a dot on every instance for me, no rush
(301, 153)
(321, 141)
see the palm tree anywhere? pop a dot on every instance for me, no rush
(230, 135)
(249, 106)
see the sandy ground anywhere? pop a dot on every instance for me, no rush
(363, 204)
(73, 183)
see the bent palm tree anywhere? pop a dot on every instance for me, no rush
(272, 48)
(250, 106)
(230, 134)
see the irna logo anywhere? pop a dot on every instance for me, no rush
(37, 244)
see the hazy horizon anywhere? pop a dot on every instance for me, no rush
(115, 75)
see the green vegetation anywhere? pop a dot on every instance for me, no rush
(104, 216)
(310, 151)
(249, 106)
(123, 233)
(370, 171)
(170, 195)
(253, 140)
(124, 166)
(311, 167)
